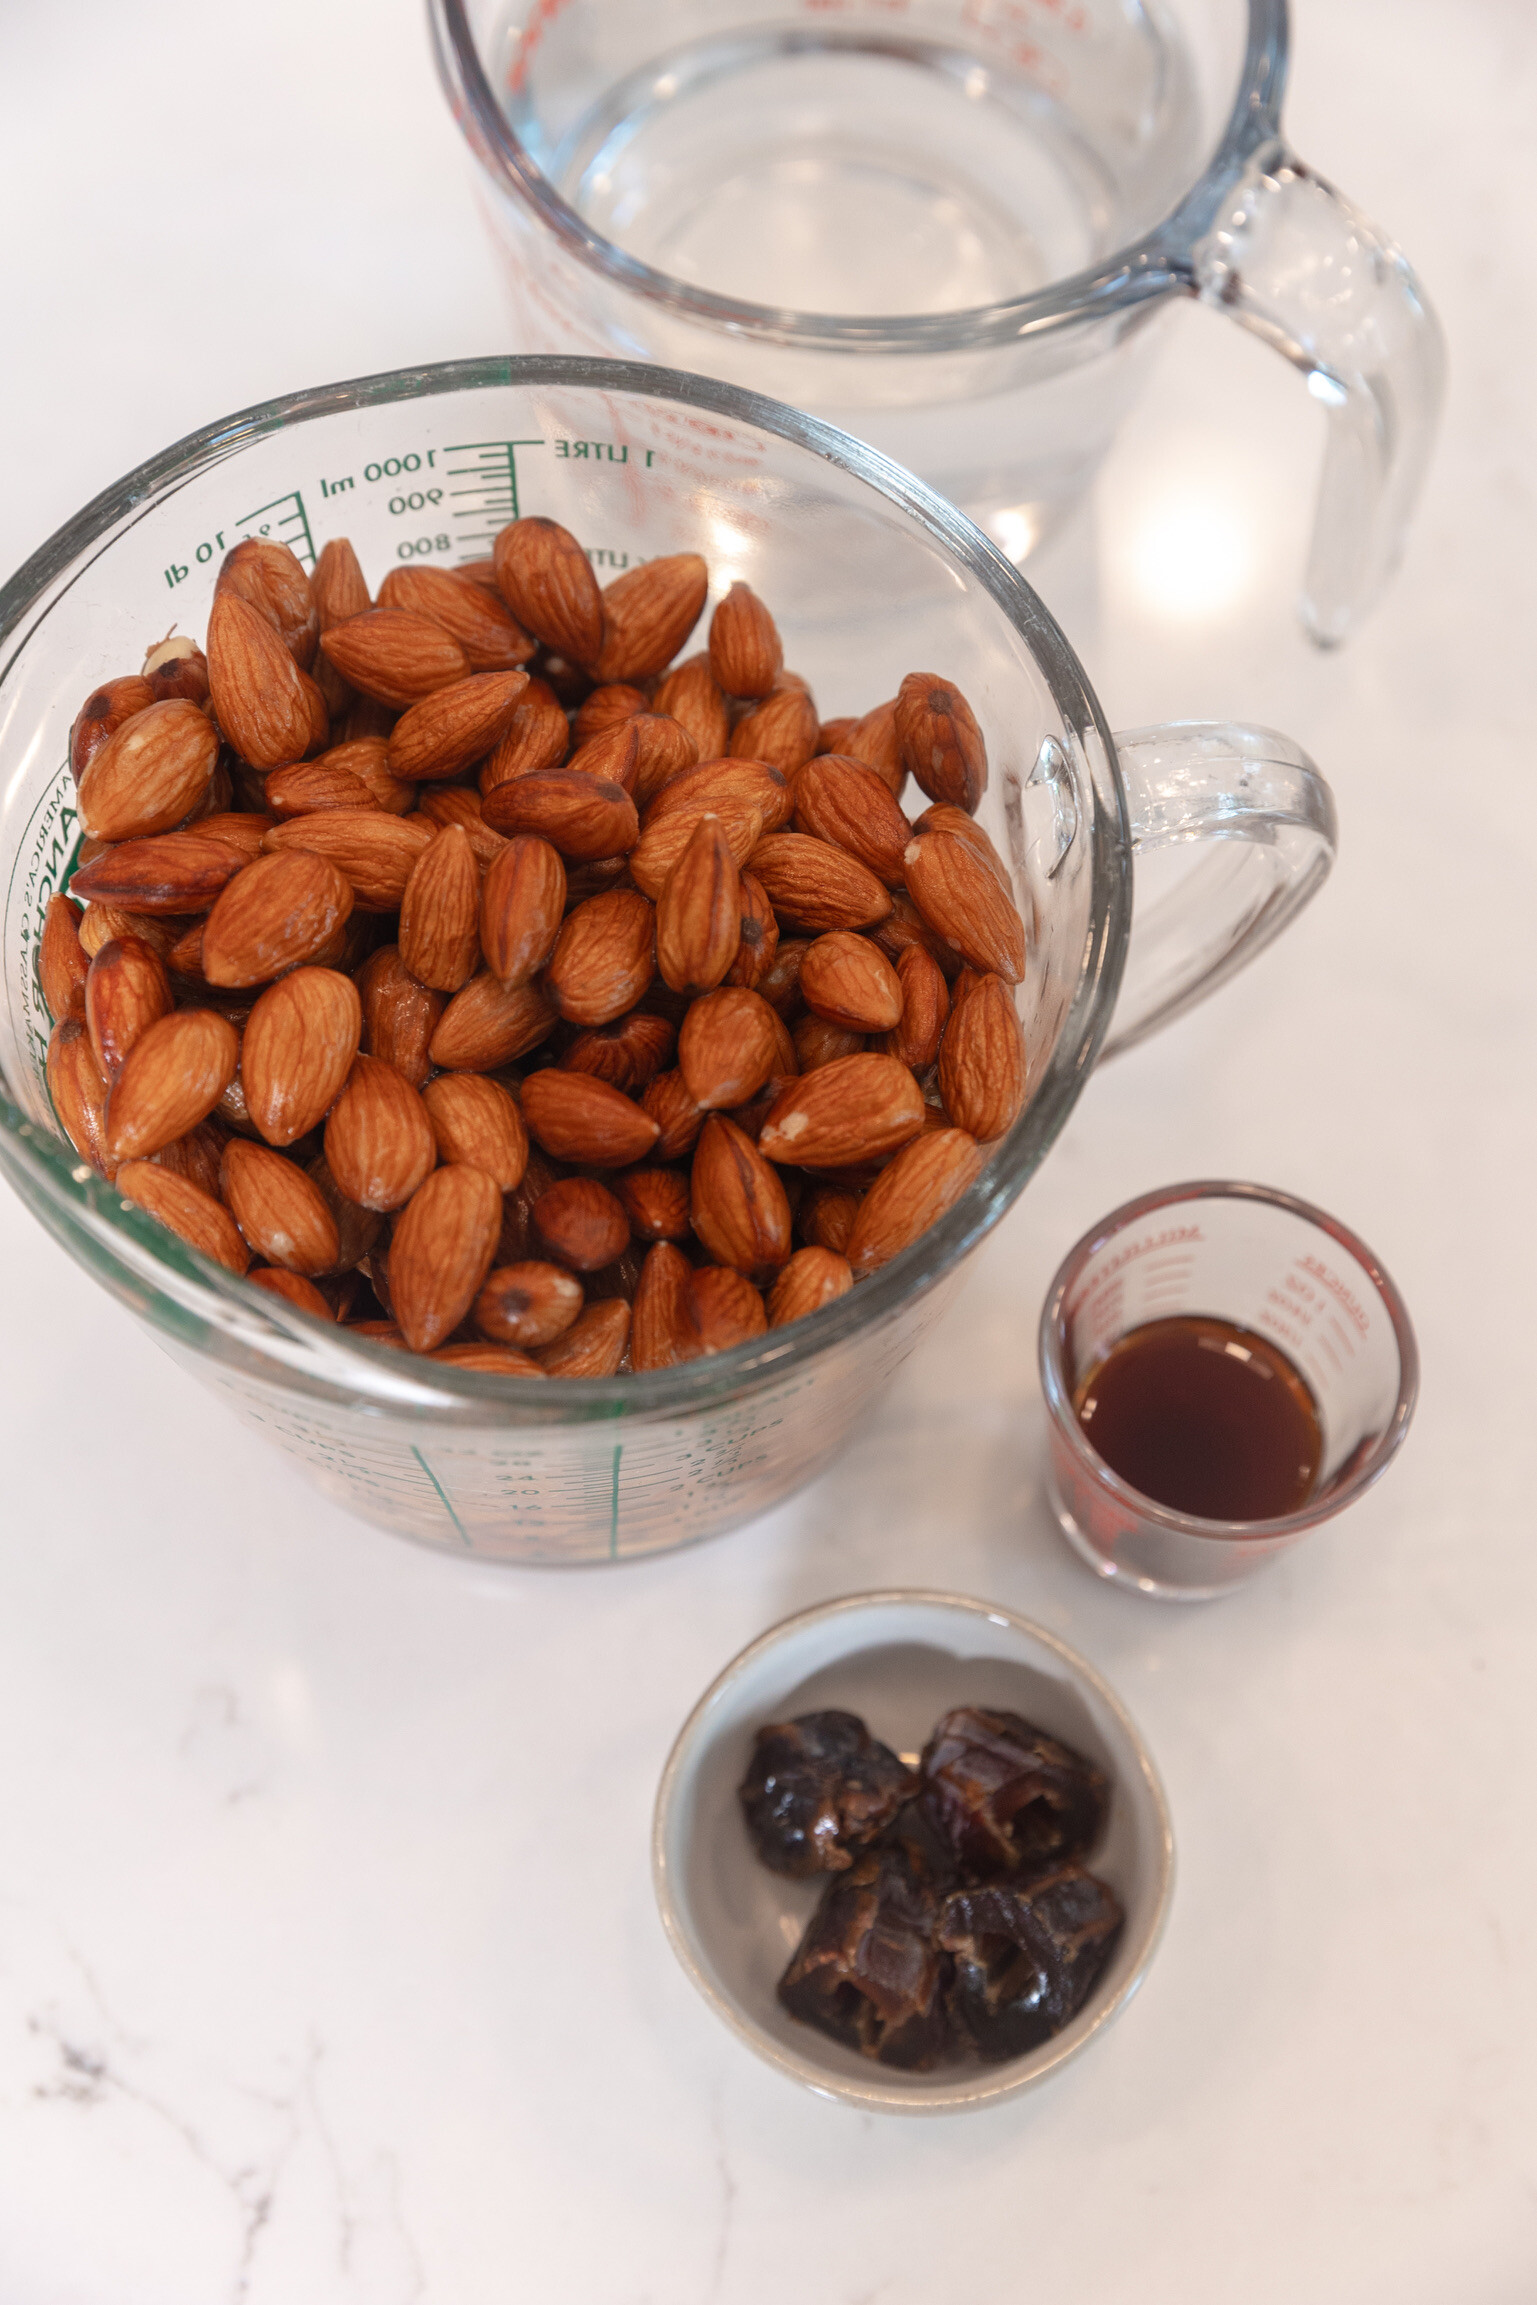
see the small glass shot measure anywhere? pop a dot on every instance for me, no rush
(1271, 1266)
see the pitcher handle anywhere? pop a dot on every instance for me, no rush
(1257, 803)
(1293, 260)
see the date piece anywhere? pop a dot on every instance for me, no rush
(1006, 1796)
(1026, 1959)
(818, 1790)
(868, 1971)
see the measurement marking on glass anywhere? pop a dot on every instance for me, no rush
(484, 490)
(442, 1495)
(285, 521)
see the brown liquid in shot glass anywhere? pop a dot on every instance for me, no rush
(1205, 1418)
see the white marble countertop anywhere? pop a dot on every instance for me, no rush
(300, 1926)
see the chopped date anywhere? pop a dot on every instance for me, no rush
(868, 1971)
(820, 1788)
(1026, 1959)
(1006, 1796)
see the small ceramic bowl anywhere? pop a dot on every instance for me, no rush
(898, 1659)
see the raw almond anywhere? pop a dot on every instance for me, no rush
(757, 935)
(280, 911)
(177, 667)
(678, 1118)
(195, 1156)
(394, 656)
(847, 981)
(527, 1304)
(941, 743)
(782, 731)
(656, 1201)
(816, 886)
(818, 1042)
(187, 1209)
(745, 649)
(62, 963)
(311, 784)
(476, 1122)
(943, 817)
(982, 1062)
(339, 592)
(663, 750)
(400, 1016)
(379, 1144)
(300, 1042)
(537, 737)
(727, 1047)
(813, 1277)
(441, 1252)
(358, 1229)
(604, 958)
(454, 726)
(452, 804)
(374, 852)
(581, 816)
(699, 912)
(474, 616)
(610, 755)
(79, 1092)
(780, 983)
(546, 580)
(105, 711)
(126, 991)
(580, 1222)
(271, 579)
(440, 913)
(842, 801)
(150, 773)
(487, 1025)
(910, 1194)
(905, 925)
(280, 1212)
(294, 1289)
(488, 1360)
(958, 894)
(723, 784)
(577, 1117)
(244, 829)
(594, 1344)
(856, 1109)
(259, 693)
(925, 1008)
(178, 872)
(738, 1205)
(648, 613)
(607, 706)
(521, 905)
(666, 837)
(722, 1308)
(661, 1333)
(691, 695)
(101, 922)
(172, 1077)
(367, 759)
(826, 1216)
(873, 739)
(628, 1054)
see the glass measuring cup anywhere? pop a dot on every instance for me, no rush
(870, 575)
(950, 227)
(1270, 1264)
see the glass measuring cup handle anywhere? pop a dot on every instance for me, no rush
(1256, 804)
(1293, 260)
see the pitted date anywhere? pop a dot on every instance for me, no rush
(1007, 1797)
(819, 1789)
(1026, 1959)
(868, 1971)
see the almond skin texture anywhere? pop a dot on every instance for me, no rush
(826, 1216)
(925, 1009)
(394, 656)
(847, 981)
(667, 835)
(656, 1201)
(745, 649)
(581, 816)
(738, 1205)
(259, 693)
(942, 817)
(279, 1210)
(367, 759)
(477, 1123)
(177, 873)
(841, 801)
(679, 1119)
(187, 1209)
(576, 1117)
(488, 1360)
(925, 1179)
(628, 1054)
(101, 922)
(310, 785)
(357, 1228)
(452, 804)
(857, 1109)
(244, 829)
(594, 1344)
(374, 852)
(905, 925)
(722, 1308)
(521, 907)
(757, 936)
(873, 739)
(454, 726)
(580, 1222)
(648, 613)
(940, 741)
(172, 1077)
(724, 786)
(79, 1092)
(782, 730)
(958, 895)
(537, 737)
(473, 616)
(196, 1156)
(300, 1040)
(270, 577)
(546, 580)
(815, 886)
(818, 1042)
(293, 1289)
(727, 1047)
(379, 1143)
(661, 1333)
(699, 912)
(61, 961)
(663, 750)
(282, 910)
(604, 958)
(607, 706)
(982, 1062)
(440, 913)
(400, 1016)
(691, 695)
(104, 711)
(126, 992)
(441, 1252)
(339, 591)
(485, 1025)
(528, 1304)
(611, 756)
(812, 1278)
(150, 773)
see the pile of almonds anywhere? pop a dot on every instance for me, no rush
(514, 998)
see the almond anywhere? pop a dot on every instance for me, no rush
(727, 1047)
(940, 741)
(367, 759)
(177, 667)
(259, 693)
(667, 836)
(126, 992)
(663, 750)
(281, 910)
(616, 701)
(812, 1278)
(982, 1062)
(488, 1360)
(722, 786)
(628, 1054)
(471, 614)
(691, 695)
(873, 739)
(581, 1223)
(577, 1117)
(521, 905)
(661, 1333)
(172, 1077)
(781, 731)
(610, 755)
(374, 852)
(400, 1016)
(905, 925)
(196, 1156)
(826, 1216)
(722, 1309)
(957, 893)
(848, 981)
(942, 817)
(102, 922)
(281, 1213)
(379, 1144)
(527, 1304)
(270, 578)
(293, 1289)
(910, 1194)
(536, 737)
(648, 613)
(780, 984)
(546, 580)
(105, 711)
(244, 829)
(757, 935)
(477, 1123)
(594, 1344)
(440, 913)
(925, 1008)
(857, 1109)
(737, 1203)
(454, 726)
(79, 1092)
(61, 961)
(678, 1118)
(300, 1042)
(185, 958)
(178, 872)
(187, 1209)
(604, 958)
(339, 592)
(815, 886)
(150, 773)
(842, 801)
(581, 816)
(394, 656)
(745, 649)
(656, 1201)
(487, 1025)
(441, 1252)
(358, 1229)
(452, 804)
(699, 912)
(311, 784)
(817, 1042)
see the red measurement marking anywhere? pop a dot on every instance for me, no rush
(1351, 1306)
(544, 15)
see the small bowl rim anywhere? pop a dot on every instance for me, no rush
(992, 2083)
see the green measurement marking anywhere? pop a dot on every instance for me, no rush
(285, 521)
(442, 1496)
(483, 489)
(613, 1509)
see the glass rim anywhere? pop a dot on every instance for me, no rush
(305, 1351)
(1145, 268)
(1057, 1393)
